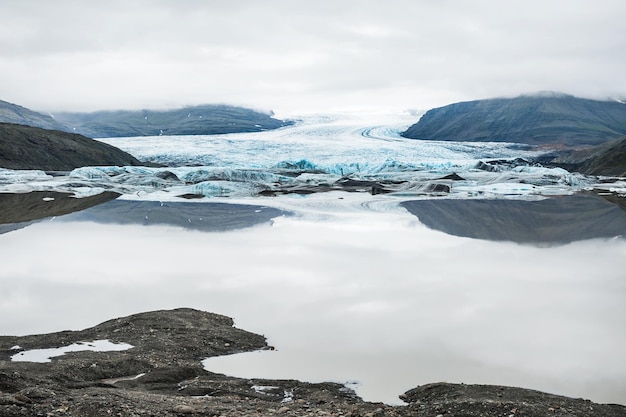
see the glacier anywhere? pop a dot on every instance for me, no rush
(319, 153)
(396, 301)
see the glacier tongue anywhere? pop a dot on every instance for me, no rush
(318, 154)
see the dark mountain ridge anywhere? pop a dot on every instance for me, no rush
(539, 119)
(608, 159)
(27, 147)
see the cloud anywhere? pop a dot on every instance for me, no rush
(301, 56)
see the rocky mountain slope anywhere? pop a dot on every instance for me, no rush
(12, 113)
(26, 147)
(542, 119)
(608, 159)
(197, 120)
(161, 374)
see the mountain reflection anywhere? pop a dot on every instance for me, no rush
(204, 216)
(555, 220)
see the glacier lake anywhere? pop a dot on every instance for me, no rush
(348, 286)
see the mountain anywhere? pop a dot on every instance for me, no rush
(197, 120)
(608, 159)
(540, 119)
(26, 147)
(12, 113)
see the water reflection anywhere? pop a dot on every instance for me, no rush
(555, 220)
(205, 216)
(23, 209)
(366, 296)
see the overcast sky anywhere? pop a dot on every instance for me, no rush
(305, 56)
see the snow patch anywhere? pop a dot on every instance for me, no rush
(45, 355)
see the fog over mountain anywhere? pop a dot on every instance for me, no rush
(13, 113)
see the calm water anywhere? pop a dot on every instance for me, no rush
(350, 289)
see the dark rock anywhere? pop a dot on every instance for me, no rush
(496, 165)
(162, 376)
(453, 177)
(25, 147)
(191, 196)
(493, 400)
(437, 188)
(167, 175)
(607, 159)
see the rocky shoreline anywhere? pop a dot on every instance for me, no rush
(162, 375)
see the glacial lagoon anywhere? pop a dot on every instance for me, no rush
(347, 286)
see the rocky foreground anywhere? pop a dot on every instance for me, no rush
(162, 375)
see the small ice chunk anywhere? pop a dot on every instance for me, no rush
(16, 347)
(263, 389)
(287, 396)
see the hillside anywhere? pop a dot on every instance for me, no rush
(12, 113)
(26, 147)
(607, 159)
(542, 119)
(197, 120)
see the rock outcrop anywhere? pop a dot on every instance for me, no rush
(608, 159)
(26, 147)
(161, 375)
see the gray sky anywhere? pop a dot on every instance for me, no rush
(304, 56)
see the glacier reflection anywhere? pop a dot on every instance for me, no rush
(344, 292)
